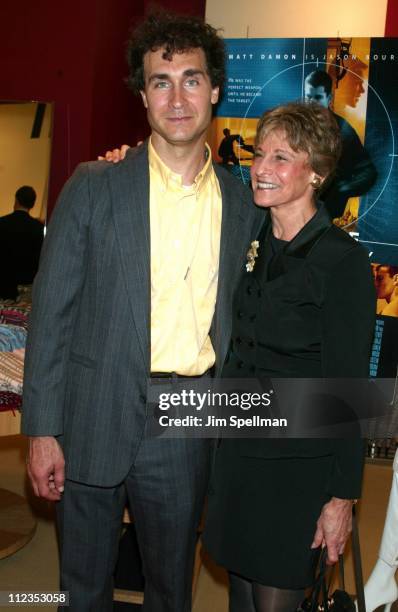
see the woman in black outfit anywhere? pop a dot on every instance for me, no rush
(306, 309)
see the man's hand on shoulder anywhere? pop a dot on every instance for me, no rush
(116, 155)
(45, 466)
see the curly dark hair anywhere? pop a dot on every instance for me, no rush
(176, 34)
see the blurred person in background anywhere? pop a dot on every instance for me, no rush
(21, 239)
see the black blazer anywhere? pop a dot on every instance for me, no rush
(308, 312)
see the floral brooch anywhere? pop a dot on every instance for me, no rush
(252, 253)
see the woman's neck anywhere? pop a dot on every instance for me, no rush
(288, 219)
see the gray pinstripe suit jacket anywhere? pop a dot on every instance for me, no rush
(88, 352)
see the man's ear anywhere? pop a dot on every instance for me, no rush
(215, 92)
(143, 96)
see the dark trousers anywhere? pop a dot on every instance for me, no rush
(165, 489)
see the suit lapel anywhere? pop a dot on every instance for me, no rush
(308, 236)
(237, 222)
(293, 256)
(129, 187)
(233, 219)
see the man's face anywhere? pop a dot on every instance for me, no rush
(317, 94)
(178, 96)
(351, 88)
(383, 281)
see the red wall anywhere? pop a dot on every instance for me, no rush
(392, 18)
(73, 54)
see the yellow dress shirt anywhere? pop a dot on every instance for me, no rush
(185, 246)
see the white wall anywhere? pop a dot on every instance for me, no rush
(297, 18)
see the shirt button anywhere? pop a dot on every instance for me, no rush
(251, 343)
(241, 364)
(238, 340)
(240, 314)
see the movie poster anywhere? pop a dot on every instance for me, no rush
(356, 79)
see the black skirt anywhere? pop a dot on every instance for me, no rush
(262, 515)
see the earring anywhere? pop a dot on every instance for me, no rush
(315, 183)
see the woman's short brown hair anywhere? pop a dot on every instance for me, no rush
(308, 127)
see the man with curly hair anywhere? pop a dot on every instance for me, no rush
(135, 284)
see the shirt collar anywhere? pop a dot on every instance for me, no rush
(167, 176)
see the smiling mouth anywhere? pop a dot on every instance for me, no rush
(265, 186)
(178, 119)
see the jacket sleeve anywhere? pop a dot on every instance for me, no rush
(348, 321)
(60, 276)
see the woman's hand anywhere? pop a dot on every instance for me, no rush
(333, 527)
(116, 155)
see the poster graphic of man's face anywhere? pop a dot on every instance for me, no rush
(316, 94)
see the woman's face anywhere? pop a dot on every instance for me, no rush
(280, 175)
